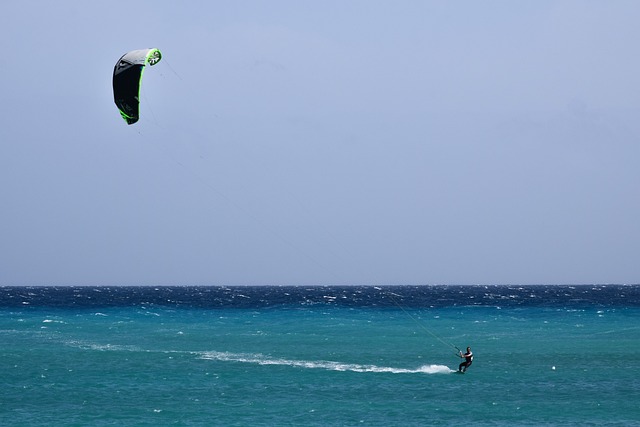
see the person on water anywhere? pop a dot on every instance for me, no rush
(468, 360)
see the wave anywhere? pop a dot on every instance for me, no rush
(259, 359)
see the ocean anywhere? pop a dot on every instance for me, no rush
(320, 356)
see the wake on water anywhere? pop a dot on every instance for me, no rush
(259, 359)
(320, 364)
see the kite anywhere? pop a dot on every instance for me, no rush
(127, 77)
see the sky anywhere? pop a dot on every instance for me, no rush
(322, 143)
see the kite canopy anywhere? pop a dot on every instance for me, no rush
(127, 77)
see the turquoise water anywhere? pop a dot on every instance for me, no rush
(318, 363)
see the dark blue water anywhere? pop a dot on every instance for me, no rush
(343, 296)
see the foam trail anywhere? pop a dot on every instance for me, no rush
(260, 359)
(320, 364)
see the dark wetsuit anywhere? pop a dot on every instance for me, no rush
(468, 360)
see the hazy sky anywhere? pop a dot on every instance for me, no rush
(326, 142)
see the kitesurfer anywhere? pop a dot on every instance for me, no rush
(468, 360)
